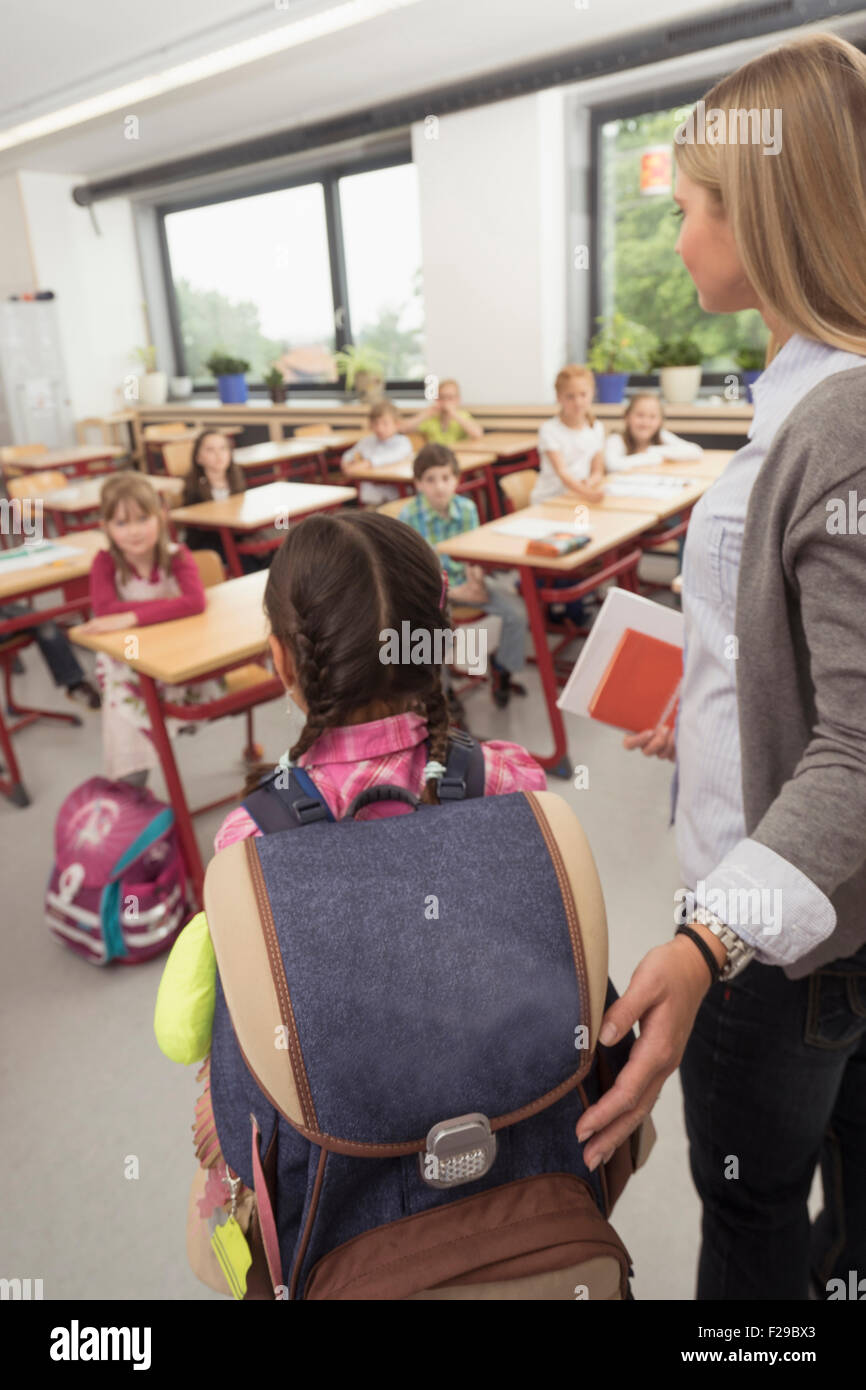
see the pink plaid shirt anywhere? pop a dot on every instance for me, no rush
(343, 762)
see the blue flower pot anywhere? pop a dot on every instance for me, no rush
(749, 379)
(610, 387)
(232, 389)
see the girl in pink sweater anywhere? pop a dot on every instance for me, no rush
(141, 578)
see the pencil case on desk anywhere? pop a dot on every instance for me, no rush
(556, 546)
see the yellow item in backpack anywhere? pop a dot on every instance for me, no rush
(183, 1020)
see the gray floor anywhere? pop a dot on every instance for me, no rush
(84, 1086)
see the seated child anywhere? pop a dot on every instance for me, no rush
(445, 421)
(382, 447)
(643, 438)
(59, 657)
(571, 445)
(367, 722)
(141, 578)
(213, 477)
(438, 513)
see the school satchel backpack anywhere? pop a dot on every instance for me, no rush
(118, 890)
(404, 1039)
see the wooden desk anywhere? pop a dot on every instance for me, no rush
(278, 456)
(83, 497)
(610, 549)
(710, 465)
(231, 631)
(75, 460)
(401, 473)
(72, 577)
(658, 508)
(258, 508)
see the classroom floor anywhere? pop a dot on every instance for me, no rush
(85, 1087)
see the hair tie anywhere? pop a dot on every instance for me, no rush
(433, 771)
(285, 761)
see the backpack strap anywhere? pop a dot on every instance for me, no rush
(281, 803)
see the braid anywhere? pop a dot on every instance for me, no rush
(322, 713)
(436, 710)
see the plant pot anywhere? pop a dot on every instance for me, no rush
(277, 394)
(610, 387)
(368, 386)
(153, 388)
(749, 379)
(680, 385)
(181, 388)
(232, 389)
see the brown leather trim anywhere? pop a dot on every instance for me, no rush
(536, 1224)
(259, 1286)
(582, 900)
(308, 1225)
(308, 1110)
(600, 1274)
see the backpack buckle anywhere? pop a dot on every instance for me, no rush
(308, 809)
(458, 1151)
(451, 788)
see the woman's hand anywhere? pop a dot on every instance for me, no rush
(110, 622)
(655, 743)
(663, 996)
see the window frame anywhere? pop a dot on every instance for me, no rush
(655, 100)
(328, 175)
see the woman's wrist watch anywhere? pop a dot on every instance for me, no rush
(739, 953)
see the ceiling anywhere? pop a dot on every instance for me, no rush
(56, 54)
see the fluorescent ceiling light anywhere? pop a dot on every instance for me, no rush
(300, 31)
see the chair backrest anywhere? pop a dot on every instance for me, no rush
(518, 487)
(178, 457)
(305, 431)
(37, 484)
(393, 508)
(14, 453)
(417, 441)
(154, 431)
(210, 567)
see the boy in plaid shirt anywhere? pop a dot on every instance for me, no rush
(437, 512)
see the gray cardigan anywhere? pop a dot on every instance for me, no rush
(801, 672)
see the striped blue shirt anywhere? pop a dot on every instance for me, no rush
(462, 515)
(712, 845)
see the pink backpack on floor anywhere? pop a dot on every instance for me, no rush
(118, 889)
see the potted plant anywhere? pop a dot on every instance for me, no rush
(750, 361)
(229, 372)
(276, 384)
(364, 370)
(619, 348)
(678, 361)
(152, 385)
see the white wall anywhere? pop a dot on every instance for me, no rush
(17, 271)
(96, 279)
(491, 188)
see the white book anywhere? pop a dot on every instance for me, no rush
(621, 609)
(534, 528)
(31, 557)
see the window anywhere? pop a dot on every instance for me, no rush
(382, 237)
(639, 272)
(291, 275)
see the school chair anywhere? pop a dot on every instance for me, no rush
(30, 487)
(518, 488)
(417, 441)
(310, 431)
(211, 572)
(11, 454)
(177, 457)
(153, 450)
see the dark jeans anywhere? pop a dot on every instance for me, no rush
(774, 1077)
(53, 644)
(574, 609)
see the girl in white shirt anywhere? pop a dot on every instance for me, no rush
(644, 438)
(571, 445)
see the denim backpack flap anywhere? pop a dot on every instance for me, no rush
(432, 966)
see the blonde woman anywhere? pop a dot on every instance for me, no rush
(770, 743)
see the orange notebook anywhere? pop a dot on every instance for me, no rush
(640, 688)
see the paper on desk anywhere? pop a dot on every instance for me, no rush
(31, 557)
(649, 485)
(534, 528)
(621, 609)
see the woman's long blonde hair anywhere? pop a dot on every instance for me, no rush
(798, 217)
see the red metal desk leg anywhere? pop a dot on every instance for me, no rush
(230, 551)
(176, 796)
(556, 762)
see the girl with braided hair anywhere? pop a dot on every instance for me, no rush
(335, 585)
